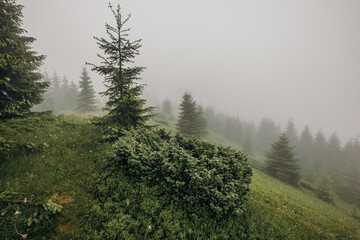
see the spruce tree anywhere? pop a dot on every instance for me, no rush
(72, 96)
(64, 89)
(267, 133)
(86, 96)
(200, 123)
(291, 132)
(318, 152)
(20, 85)
(335, 160)
(55, 91)
(281, 163)
(191, 120)
(125, 107)
(305, 150)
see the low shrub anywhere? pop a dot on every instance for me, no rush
(189, 171)
(165, 186)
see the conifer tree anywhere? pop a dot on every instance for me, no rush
(166, 110)
(55, 91)
(86, 97)
(267, 133)
(350, 189)
(64, 88)
(191, 120)
(334, 160)
(281, 163)
(318, 152)
(291, 132)
(200, 123)
(72, 96)
(125, 107)
(247, 144)
(20, 85)
(304, 150)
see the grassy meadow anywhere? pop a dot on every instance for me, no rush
(58, 159)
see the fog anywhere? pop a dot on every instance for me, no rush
(279, 59)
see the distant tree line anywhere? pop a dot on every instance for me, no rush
(63, 96)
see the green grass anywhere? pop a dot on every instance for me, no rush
(61, 172)
(61, 167)
(281, 211)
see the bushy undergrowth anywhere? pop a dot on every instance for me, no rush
(164, 186)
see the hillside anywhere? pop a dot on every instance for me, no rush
(63, 159)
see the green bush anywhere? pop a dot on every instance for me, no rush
(189, 171)
(162, 186)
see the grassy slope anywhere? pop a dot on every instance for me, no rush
(64, 173)
(280, 211)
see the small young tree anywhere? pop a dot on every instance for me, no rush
(20, 85)
(281, 163)
(323, 188)
(191, 118)
(125, 107)
(86, 97)
(55, 91)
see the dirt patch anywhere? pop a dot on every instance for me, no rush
(62, 200)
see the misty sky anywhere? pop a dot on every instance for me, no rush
(281, 59)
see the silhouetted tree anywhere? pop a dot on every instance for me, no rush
(86, 98)
(334, 160)
(191, 120)
(248, 141)
(304, 151)
(55, 91)
(291, 132)
(350, 181)
(281, 163)
(166, 111)
(20, 85)
(125, 107)
(266, 134)
(319, 149)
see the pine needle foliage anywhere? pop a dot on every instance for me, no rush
(191, 117)
(20, 88)
(125, 107)
(86, 96)
(281, 163)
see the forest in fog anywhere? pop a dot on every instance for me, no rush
(208, 120)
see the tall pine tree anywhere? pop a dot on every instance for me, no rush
(20, 85)
(86, 98)
(125, 107)
(281, 163)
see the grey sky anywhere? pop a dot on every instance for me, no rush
(282, 59)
